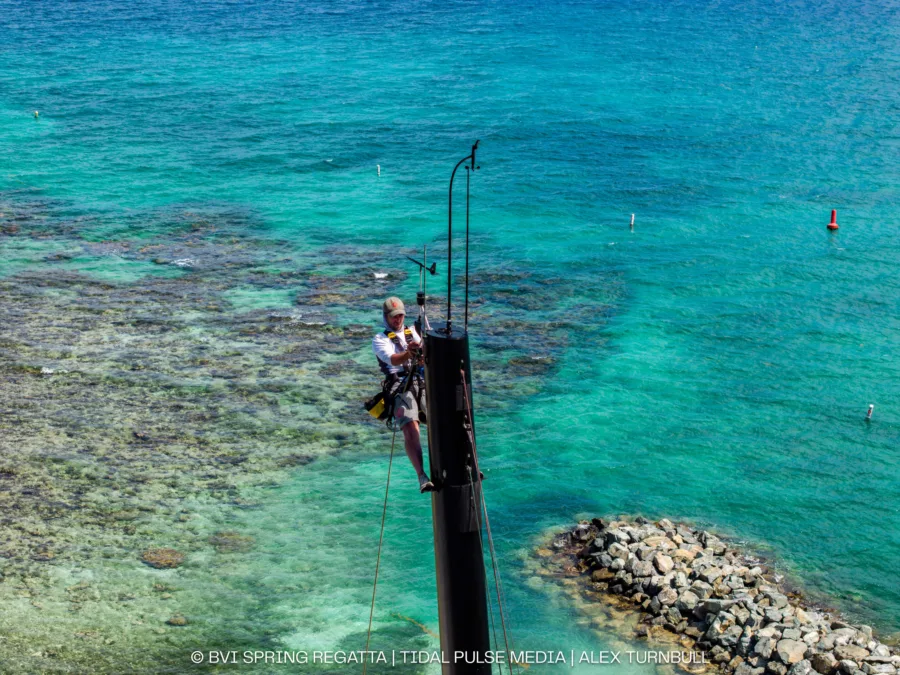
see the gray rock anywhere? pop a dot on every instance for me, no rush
(728, 640)
(823, 663)
(701, 589)
(776, 668)
(895, 660)
(753, 621)
(764, 647)
(716, 627)
(741, 614)
(801, 668)
(811, 638)
(617, 564)
(881, 650)
(850, 653)
(605, 559)
(848, 667)
(790, 634)
(681, 580)
(616, 536)
(655, 584)
(687, 601)
(744, 669)
(642, 568)
(598, 544)
(790, 651)
(644, 553)
(705, 538)
(745, 642)
(843, 636)
(710, 574)
(715, 605)
(772, 615)
(667, 596)
(878, 669)
(663, 563)
(617, 550)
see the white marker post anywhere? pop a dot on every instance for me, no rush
(632, 223)
(871, 410)
(378, 166)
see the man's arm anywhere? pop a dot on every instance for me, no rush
(384, 350)
(402, 357)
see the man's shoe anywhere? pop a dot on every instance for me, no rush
(425, 484)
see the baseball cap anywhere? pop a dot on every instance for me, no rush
(392, 307)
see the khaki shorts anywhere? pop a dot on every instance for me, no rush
(406, 409)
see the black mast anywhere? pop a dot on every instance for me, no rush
(456, 513)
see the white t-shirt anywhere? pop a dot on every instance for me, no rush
(384, 347)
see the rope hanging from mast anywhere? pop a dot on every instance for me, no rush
(387, 488)
(482, 508)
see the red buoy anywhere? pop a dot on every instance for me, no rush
(833, 224)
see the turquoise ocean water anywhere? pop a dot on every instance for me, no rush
(731, 347)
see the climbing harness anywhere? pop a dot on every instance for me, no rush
(381, 405)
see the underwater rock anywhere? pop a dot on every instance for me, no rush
(177, 620)
(162, 558)
(229, 542)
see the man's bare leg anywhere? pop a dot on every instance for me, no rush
(413, 443)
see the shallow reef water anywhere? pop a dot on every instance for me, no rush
(154, 387)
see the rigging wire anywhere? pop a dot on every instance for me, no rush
(387, 488)
(490, 605)
(498, 585)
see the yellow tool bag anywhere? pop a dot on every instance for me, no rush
(377, 406)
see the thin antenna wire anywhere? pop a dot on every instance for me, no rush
(470, 157)
(466, 321)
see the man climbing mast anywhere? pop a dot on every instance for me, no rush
(398, 349)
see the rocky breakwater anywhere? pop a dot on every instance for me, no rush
(692, 584)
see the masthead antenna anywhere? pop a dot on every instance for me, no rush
(469, 158)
